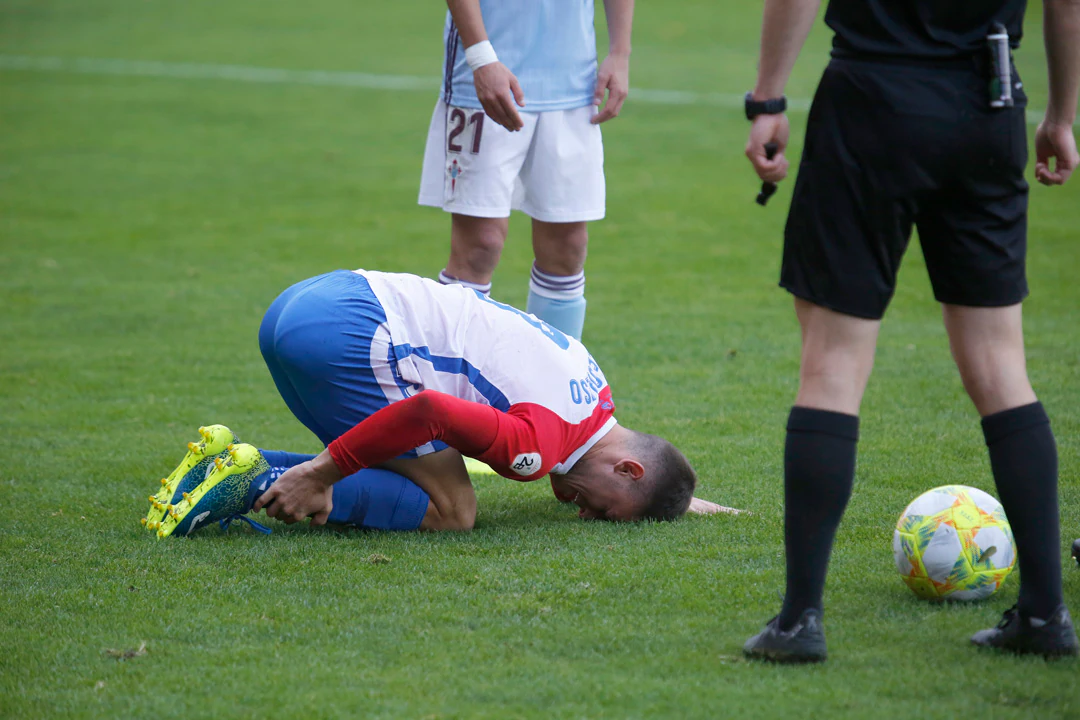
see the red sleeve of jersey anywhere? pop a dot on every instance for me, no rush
(531, 440)
(468, 427)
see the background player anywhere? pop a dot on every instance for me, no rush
(902, 132)
(404, 374)
(516, 128)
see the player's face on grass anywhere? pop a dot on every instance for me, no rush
(600, 498)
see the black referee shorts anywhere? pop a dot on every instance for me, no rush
(893, 145)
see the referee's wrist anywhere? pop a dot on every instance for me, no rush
(755, 106)
(480, 54)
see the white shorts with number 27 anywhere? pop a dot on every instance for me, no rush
(551, 170)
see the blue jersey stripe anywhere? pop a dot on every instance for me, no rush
(407, 391)
(458, 366)
(451, 59)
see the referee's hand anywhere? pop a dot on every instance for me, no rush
(766, 129)
(1055, 141)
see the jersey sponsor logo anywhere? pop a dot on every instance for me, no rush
(526, 463)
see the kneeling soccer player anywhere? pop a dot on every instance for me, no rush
(400, 376)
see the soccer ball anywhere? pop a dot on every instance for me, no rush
(954, 542)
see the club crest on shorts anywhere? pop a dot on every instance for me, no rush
(526, 463)
(454, 170)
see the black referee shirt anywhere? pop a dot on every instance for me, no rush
(921, 29)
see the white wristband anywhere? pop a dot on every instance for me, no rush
(480, 54)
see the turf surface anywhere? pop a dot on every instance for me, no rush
(146, 223)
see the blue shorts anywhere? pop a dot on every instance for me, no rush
(329, 352)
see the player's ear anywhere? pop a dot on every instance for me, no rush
(630, 469)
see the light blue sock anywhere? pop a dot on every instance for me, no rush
(558, 300)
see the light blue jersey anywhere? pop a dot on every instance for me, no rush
(550, 45)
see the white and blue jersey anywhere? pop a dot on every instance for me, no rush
(343, 345)
(549, 45)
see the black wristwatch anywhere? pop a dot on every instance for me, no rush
(772, 106)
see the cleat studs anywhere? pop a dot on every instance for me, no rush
(219, 463)
(142, 521)
(152, 499)
(164, 481)
(186, 496)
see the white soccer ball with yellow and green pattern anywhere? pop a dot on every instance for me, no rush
(954, 542)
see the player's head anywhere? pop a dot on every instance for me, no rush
(633, 476)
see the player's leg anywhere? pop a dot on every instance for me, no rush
(557, 280)
(476, 244)
(432, 492)
(562, 188)
(470, 167)
(372, 498)
(442, 475)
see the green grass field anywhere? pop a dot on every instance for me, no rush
(146, 222)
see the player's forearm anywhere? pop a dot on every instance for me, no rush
(784, 29)
(399, 427)
(468, 21)
(620, 23)
(1061, 34)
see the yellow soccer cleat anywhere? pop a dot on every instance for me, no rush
(213, 440)
(227, 493)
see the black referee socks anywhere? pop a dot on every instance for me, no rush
(819, 469)
(1024, 459)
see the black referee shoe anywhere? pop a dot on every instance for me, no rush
(1076, 551)
(1053, 637)
(803, 643)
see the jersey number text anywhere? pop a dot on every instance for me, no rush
(458, 123)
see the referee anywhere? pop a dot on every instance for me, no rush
(918, 121)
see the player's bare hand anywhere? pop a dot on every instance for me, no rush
(305, 490)
(1055, 142)
(614, 77)
(769, 129)
(704, 507)
(500, 94)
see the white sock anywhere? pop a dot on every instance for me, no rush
(446, 279)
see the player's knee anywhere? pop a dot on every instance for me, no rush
(478, 236)
(456, 517)
(461, 520)
(560, 248)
